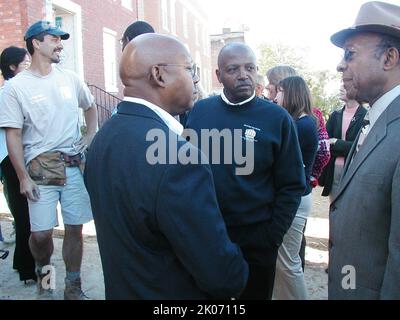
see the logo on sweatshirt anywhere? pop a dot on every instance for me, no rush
(250, 133)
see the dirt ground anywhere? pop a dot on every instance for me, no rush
(93, 285)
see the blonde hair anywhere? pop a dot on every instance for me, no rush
(278, 73)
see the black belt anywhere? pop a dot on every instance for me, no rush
(72, 161)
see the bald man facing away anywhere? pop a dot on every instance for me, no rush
(258, 207)
(159, 229)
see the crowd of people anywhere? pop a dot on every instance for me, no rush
(198, 197)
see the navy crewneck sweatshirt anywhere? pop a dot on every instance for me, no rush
(272, 192)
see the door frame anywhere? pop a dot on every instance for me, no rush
(77, 37)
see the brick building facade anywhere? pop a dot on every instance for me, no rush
(96, 26)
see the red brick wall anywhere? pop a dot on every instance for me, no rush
(12, 23)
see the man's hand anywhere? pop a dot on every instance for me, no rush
(29, 189)
(91, 126)
(84, 143)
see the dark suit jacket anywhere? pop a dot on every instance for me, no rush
(160, 232)
(342, 147)
(364, 218)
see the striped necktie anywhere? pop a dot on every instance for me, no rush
(364, 131)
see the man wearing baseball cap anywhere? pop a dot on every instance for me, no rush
(40, 111)
(45, 27)
(364, 244)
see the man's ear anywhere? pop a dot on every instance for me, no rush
(218, 75)
(392, 57)
(157, 75)
(35, 43)
(13, 68)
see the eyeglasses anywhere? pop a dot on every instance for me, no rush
(348, 55)
(192, 69)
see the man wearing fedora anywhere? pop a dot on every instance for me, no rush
(364, 245)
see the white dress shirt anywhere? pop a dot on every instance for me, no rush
(380, 106)
(169, 120)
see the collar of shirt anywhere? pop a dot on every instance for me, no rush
(239, 103)
(169, 120)
(381, 104)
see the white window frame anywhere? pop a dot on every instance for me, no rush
(196, 33)
(205, 42)
(172, 14)
(110, 60)
(164, 14)
(76, 10)
(185, 23)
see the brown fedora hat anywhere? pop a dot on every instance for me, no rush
(375, 16)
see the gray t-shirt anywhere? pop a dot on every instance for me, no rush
(46, 109)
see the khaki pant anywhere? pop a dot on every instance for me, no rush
(337, 175)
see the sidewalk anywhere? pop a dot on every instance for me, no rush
(92, 273)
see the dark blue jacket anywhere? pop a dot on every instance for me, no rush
(160, 232)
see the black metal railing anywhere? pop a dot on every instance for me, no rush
(105, 101)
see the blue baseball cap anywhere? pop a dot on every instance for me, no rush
(47, 27)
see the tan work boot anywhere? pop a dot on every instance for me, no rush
(73, 290)
(43, 292)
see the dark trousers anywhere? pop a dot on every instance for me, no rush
(23, 260)
(260, 256)
(260, 284)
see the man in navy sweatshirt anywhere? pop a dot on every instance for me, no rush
(258, 205)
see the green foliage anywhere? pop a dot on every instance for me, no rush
(272, 55)
(278, 54)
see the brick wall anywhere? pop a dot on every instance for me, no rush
(12, 23)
